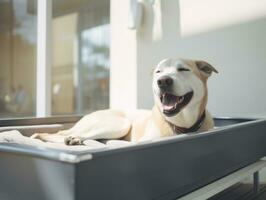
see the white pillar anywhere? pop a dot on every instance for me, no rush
(44, 58)
(123, 73)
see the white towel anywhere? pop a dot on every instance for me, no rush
(15, 136)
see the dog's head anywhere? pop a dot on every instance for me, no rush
(179, 87)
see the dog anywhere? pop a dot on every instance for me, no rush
(180, 97)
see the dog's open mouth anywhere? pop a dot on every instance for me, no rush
(172, 104)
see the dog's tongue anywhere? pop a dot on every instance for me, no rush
(169, 101)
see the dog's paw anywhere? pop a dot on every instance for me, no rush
(72, 140)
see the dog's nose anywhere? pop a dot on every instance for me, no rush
(165, 81)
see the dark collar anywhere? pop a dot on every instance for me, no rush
(194, 128)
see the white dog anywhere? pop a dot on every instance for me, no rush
(180, 95)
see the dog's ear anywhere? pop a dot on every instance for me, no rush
(205, 68)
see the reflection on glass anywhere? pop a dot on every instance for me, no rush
(81, 43)
(18, 35)
(95, 66)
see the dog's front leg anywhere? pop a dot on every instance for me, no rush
(58, 137)
(104, 124)
(107, 131)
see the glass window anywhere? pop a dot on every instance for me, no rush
(18, 37)
(81, 43)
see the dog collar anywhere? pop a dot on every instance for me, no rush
(194, 128)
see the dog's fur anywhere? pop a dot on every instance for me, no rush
(187, 77)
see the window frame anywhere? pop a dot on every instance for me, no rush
(44, 62)
(44, 58)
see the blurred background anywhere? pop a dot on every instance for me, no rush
(99, 62)
(80, 52)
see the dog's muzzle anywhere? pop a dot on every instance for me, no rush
(172, 104)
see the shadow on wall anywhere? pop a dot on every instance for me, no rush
(236, 45)
(186, 18)
(155, 26)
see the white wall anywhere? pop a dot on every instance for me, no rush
(230, 35)
(236, 48)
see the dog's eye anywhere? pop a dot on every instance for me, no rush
(158, 71)
(183, 70)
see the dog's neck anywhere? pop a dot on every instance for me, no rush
(168, 127)
(194, 128)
